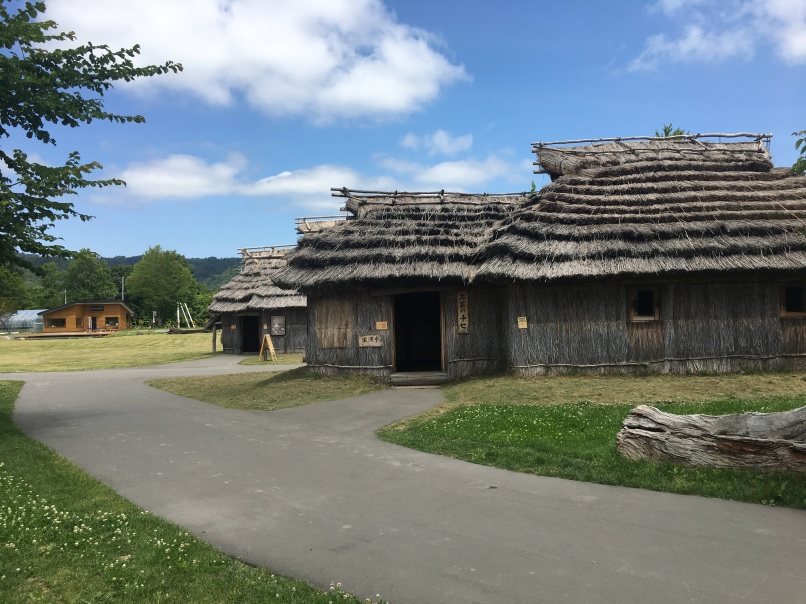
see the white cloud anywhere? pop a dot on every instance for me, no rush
(440, 142)
(182, 177)
(464, 175)
(735, 29)
(672, 6)
(695, 45)
(322, 59)
(785, 22)
(189, 177)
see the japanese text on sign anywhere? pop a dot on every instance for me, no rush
(461, 306)
(370, 341)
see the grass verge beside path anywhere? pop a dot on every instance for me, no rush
(108, 352)
(566, 427)
(269, 391)
(65, 537)
(290, 358)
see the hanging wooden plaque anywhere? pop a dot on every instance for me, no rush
(462, 319)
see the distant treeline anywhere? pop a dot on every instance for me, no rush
(212, 272)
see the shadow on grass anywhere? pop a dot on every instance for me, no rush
(268, 392)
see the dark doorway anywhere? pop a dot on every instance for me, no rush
(250, 334)
(418, 332)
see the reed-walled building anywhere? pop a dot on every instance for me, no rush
(388, 287)
(668, 255)
(251, 306)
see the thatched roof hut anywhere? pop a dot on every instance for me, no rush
(653, 208)
(395, 238)
(253, 288)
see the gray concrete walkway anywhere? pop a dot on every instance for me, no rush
(312, 493)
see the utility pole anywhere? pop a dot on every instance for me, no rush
(65, 296)
(122, 288)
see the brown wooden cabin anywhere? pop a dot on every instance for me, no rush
(657, 255)
(385, 285)
(251, 306)
(89, 316)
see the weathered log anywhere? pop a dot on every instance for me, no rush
(761, 441)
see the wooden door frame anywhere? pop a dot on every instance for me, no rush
(443, 351)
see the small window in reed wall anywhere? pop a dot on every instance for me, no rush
(644, 304)
(793, 300)
(333, 323)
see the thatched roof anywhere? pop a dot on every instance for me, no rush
(398, 239)
(653, 208)
(314, 224)
(253, 288)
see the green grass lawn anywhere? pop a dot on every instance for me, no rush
(66, 538)
(113, 351)
(566, 427)
(269, 391)
(577, 441)
(291, 358)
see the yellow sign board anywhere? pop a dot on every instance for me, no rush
(522, 324)
(267, 349)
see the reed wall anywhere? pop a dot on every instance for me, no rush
(481, 349)
(335, 323)
(703, 327)
(294, 340)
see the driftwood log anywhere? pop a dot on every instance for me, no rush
(760, 441)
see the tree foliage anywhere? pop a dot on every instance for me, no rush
(799, 166)
(669, 130)
(39, 86)
(13, 291)
(89, 278)
(161, 279)
(51, 291)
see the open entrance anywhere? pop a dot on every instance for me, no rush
(250, 334)
(418, 332)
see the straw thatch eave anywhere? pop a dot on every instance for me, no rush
(253, 288)
(398, 239)
(651, 219)
(616, 157)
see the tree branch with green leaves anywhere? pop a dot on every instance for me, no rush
(799, 167)
(42, 87)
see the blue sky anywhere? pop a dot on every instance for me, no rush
(282, 99)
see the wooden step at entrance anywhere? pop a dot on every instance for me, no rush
(419, 378)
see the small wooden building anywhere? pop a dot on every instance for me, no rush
(387, 288)
(89, 316)
(251, 305)
(667, 255)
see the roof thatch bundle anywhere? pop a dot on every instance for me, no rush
(653, 208)
(306, 226)
(398, 238)
(678, 154)
(253, 288)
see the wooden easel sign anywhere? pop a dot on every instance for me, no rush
(267, 348)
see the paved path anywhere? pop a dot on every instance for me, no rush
(311, 492)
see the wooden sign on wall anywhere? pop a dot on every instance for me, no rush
(462, 312)
(370, 341)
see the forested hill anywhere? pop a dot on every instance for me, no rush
(212, 272)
